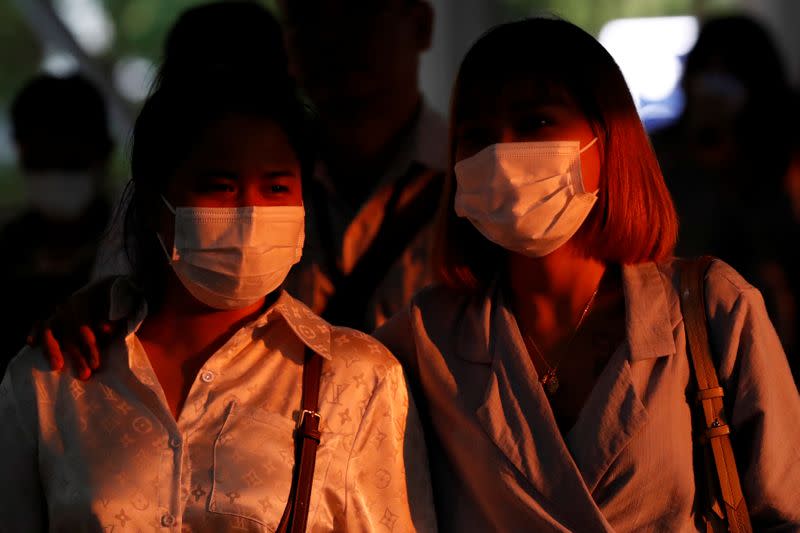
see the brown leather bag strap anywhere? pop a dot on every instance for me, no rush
(400, 226)
(727, 508)
(307, 438)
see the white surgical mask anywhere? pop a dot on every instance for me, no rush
(527, 197)
(231, 257)
(60, 194)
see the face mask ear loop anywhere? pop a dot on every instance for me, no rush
(169, 205)
(585, 147)
(158, 235)
(589, 145)
(164, 247)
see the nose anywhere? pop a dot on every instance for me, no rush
(250, 193)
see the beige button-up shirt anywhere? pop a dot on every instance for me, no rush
(107, 455)
(499, 462)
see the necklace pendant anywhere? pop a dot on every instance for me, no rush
(550, 382)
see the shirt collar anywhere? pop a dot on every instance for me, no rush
(648, 321)
(126, 302)
(312, 330)
(648, 317)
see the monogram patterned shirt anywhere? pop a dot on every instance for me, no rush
(107, 455)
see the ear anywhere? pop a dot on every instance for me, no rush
(423, 15)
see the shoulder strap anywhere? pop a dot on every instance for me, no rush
(728, 510)
(307, 438)
(347, 306)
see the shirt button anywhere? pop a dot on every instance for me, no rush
(175, 442)
(167, 520)
(207, 376)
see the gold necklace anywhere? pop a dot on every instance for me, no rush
(550, 378)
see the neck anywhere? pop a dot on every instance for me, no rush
(359, 146)
(181, 312)
(549, 294)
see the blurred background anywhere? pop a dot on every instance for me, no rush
(117, 43)
(714, 82)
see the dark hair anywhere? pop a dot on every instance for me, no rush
(741, 46)
(634, 218)
(69, 107)
(169, 124)
(238, 38)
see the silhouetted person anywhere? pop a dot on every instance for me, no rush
(726, 159)
(61, 133)
(239, 39)
(382, 148)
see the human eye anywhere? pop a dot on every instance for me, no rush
(216, 184)
(280, 183)
(532, 124)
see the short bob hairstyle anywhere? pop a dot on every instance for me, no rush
(634, 219)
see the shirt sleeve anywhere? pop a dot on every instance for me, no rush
(388, 482)
(397, 335)
(22, 502)
(762, 402)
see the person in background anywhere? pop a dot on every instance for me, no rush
(551, 360)
(727, 161)
(248, 42)
(60, 128)
(376, 188)
(193, 425)
(383, 152)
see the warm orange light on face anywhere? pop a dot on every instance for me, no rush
(239, 161)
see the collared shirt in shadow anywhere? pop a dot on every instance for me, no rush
(499, 461)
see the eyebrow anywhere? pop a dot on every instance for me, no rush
(219, 173)
(279, 173)
(269, 174)
(541, 105)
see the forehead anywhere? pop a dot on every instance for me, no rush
(489, 94)
(242, 138)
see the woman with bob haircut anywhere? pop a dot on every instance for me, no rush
(551, 360)
(195, 421)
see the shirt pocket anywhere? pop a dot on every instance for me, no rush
(253, 462)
